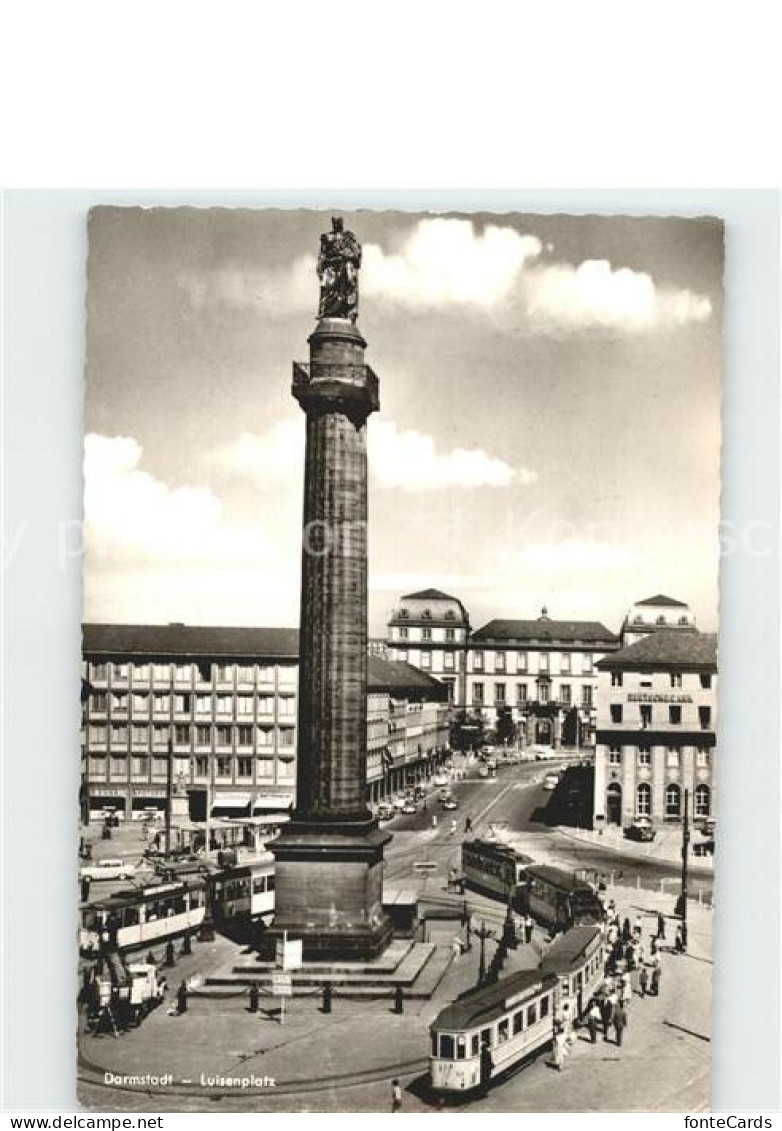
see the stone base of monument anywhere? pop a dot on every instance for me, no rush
(416, 967)
(329, 891)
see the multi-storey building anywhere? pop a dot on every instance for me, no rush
(221, 703)
(656, 727)
(654, 613)
(429, 630)
(544, 671)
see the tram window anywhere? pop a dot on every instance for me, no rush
(434, 1044)
(518, 1022)
(270, 883)
(461, 1048)
(259, 885)
(544, 1002)
(486, 1037)
(532, 1014)
(475, 1045)
(129, 917)
(503, 1030)
(446, 1047)
(565, 986)
(179, 905)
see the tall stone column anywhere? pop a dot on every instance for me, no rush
(329, 860)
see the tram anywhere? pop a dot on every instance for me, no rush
(494, 868)
(244, 892)
(488, 1032)
(140, 917)
(559, 899)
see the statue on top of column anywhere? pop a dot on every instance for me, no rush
(339, 260)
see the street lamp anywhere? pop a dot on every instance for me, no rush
(483, 933)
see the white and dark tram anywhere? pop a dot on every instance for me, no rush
(495, 868)
(489, 1032)
(560, 899)
(244, 892)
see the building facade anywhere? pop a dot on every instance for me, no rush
(656, 730)
(655, 613)
(544, 671)
(222, 703)
(430, 630)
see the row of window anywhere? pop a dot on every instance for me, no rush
(544, 693)
(184, 735)
(673, 800)
(673, 756)
(183, 703)
(449, 614)
(566, 664)
(461, 1046)
(142, 767)
(646, 715)
(426, 634)
(183, 673)
(675, 678)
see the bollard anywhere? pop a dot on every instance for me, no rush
(187, 946)
(170, 959)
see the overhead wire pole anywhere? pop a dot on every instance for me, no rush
(685, 849)
(169, 793)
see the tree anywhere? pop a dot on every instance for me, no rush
(466, 731)
(569, 725)
(506, 728)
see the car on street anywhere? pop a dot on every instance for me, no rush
(107, 870)
(409, 807)
(384, 812)
(640, 829)
(441, 779)
(450, 803)
(551, 781)
(398, 802)
(483, 771)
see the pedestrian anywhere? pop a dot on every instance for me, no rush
(396, 1096)
(454, 827)
(594, 1018)
(181, 997)
(85, 889)
(151, 959)
(456, 947)
(255, 997)
(487, 1065)
(468, 825)
(660, 925)
(620, 1023)
(655, 986)
(607, 1014)
(170, 959)
(652, 947)
(399, 1000)
(630, 956)
(559, 1050)
(626, 932)
(424, 805)
(528, 928)
(327, 995)
(679, 942)
(611, 909)
(643, 981)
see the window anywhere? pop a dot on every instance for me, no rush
(426, 634)
(120, 671)
(702, 757)
(244, 705)
(426, 661)
(644, 756)
(97, 766)
(450, 634)
(477, 662)
(521, 662)
(286, 707)
(404, 633)
(673, 801)
(544, 1003)
(99, 671)
(616, 679)
(586, 696)
(674, 714)
(265, 704)
(203, 735)
(532, 1014)
(265, 767)
(403, 655)
(643, 799)
(660, 620)
(503, 1030)
(450, 614)
(615, 755)
(139, 766)
(182, 673)
(646, 715)
(119, 733)
(477, 694)
(565, 693)
(705, 680)
(201, 767)
(244, 767)
(521, 693)
(543, 662)
(704, 716)
(586, 664)
(645, 683)
(139, 734)
(160, 735)
(266, 674)
(543, 692)
(449, 683)
(224, 705)
(224, 673)
(181, 735)
(265, 736)
(676, 679)
(161, 671)
(499, 662)
(140, 672)
(499, 693)
(448, 661)
(616, 712)
(564, 663)
(286, 736)
(98, 732)
(223, 735)
(244, 673)
(244, 735)
(702, 801)
(447, 1048)
(182, 704)
(673, 757)
(159, 767)
(518, 1022)
(285, 771)
(223, 767)
(161, 704)
(140, 704)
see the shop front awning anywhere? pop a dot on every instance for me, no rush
(272, 802)
(234, 803)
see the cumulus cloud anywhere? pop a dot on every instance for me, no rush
(576, 555)
(131, 515)
(272, 456)
(448, 263)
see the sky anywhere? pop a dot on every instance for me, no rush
(549, 425)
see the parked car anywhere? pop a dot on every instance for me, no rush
(551, 781)
(107, 870)
(398, 802)
(384, 812)
(441, 779)
(450, 803)
(640, 829)
(409, 807)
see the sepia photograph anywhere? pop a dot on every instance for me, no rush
(399, 766)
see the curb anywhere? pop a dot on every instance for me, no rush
(697, 869)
